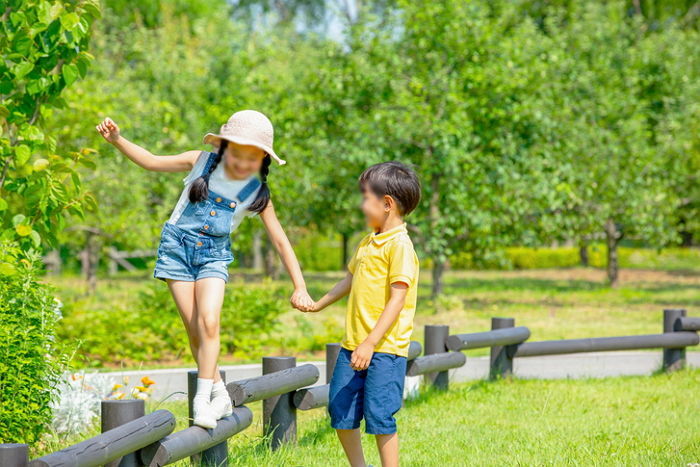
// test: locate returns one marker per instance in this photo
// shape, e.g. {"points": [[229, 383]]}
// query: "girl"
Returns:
{"points": [[195, 246]]}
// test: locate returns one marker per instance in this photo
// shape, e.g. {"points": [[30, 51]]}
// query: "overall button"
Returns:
{"points": [[206, 227], [213, 213], [199, 243], [233, 204], [218, 200]]}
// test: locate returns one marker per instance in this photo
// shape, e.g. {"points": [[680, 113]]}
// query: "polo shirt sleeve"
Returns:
{"points": [[403, 264]]}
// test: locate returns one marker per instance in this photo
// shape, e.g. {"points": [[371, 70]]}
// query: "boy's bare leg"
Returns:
{"points": [[388, 446], [350, 439]]}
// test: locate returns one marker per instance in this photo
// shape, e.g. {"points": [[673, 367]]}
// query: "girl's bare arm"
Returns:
{"points": [[300, 299], [142, 157]]}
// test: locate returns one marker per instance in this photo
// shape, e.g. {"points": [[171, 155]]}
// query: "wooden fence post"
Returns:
{"points": [[215, 455], [14, 455], [114, 413], [279, 412], [673, 359], [435, 342], [332, 351], [501, 363]]}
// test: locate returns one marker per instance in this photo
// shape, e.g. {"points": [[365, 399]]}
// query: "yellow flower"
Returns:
{"points": [[117, 386], [141, 395], [147, 381]]}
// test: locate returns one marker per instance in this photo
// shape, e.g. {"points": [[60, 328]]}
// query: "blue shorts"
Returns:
{"points": [[184, 256], [375, 393]]}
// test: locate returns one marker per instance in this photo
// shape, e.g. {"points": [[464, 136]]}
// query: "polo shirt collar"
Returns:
{"points": [[382, 238]]}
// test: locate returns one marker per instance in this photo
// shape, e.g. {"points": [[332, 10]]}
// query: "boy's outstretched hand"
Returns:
{"points": [[302, 301], [109, 130], [361, 356]]}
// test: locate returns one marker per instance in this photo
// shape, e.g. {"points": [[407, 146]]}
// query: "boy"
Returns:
{"points": [[382, 281]]}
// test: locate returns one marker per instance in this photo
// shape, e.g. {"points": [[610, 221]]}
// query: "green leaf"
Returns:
{"points": [[22, 69], [18, 219], [70, 73], [23, 230], [36, 238], [3, 204], [40, 164], [22, 155], [69, 20]]}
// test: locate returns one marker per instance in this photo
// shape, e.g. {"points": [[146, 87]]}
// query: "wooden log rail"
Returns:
{"points": [[132, 439], [194, 439], [476, 340], [112, 444], [273, 384], [669, 340]]}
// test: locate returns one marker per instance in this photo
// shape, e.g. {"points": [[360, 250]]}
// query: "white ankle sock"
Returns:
{"points": [[219, 389], [204, 387]]}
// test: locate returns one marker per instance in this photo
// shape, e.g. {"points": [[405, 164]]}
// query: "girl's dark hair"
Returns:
{"points": [[263, 198], [199, 190]]}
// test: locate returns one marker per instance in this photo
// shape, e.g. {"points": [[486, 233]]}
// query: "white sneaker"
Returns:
{"points": [[204, 415], [221, 405]]}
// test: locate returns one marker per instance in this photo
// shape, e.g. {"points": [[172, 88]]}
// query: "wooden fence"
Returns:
{"points": [[132, 439]]}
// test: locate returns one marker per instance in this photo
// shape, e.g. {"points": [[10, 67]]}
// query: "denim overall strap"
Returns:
{"points": [[248, 190], [210, 161]]}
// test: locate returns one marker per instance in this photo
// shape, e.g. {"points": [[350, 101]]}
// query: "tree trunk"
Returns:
{"points": [[583, 255], [612, 236], [258, 264], [89, 259], [345, 239], [270, 261], [438, 272]]}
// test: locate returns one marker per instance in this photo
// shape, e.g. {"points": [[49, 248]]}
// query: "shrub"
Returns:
{"points": [[30, 362], [149, 329]]}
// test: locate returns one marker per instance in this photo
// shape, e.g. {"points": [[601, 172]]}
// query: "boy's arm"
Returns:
{"points": [[338, 291], [143, 157], [363, 353]]}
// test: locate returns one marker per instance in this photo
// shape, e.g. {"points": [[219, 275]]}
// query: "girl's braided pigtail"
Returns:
{"points": [[263, 198], [199, 190]]}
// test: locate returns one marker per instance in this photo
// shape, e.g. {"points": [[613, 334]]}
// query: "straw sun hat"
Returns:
{"points": [[248, 127]]}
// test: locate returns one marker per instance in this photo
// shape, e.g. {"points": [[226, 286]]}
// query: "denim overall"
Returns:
{"points": [[198, 245]]}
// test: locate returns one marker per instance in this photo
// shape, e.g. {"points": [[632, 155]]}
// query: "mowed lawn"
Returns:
{"points": [[616, 421]]}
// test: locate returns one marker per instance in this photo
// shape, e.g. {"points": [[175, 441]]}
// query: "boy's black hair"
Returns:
{"points": [[393, 179]]}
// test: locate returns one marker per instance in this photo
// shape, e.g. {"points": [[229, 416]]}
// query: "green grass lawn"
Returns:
{"points": [[554, 304], [615, 421]]}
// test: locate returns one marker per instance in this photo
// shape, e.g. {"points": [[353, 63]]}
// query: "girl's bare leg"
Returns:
{"points": [[209, 296], [388, 446], [183, 294], [350, 439]]}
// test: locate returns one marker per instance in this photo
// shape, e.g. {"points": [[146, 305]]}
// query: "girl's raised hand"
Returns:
{"points": [[109, 130]]}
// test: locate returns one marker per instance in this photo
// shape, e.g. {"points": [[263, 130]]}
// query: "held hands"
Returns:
{"points": [[302, 301], [109, 130], [362, 356]]}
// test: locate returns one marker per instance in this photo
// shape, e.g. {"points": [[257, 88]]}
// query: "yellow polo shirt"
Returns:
{"points": [[381, 260]]}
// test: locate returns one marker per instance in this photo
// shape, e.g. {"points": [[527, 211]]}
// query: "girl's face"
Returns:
{"points": [[241, 161]]}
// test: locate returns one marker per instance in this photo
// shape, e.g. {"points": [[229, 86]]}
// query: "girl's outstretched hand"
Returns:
{"points": [[302, 301], [109, 130]]}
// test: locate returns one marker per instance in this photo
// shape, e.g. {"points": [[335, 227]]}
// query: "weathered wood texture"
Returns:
{"points": [[194, 439], [414, 350], [266, 386], [115, 413], [604, 344], [439, 362], [688, 324], [476, 340], [14, 455], [113, 444], [311, 398]]}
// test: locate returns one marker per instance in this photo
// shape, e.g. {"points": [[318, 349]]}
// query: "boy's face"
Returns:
{"points": [[375, 208]]}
